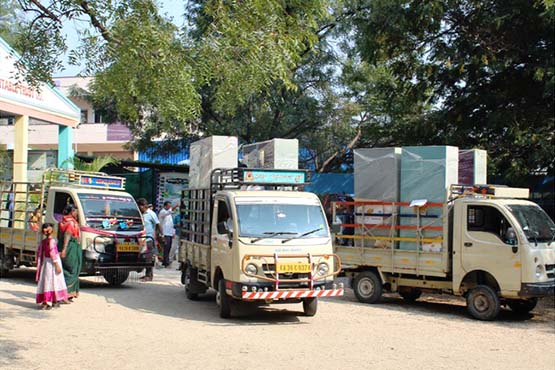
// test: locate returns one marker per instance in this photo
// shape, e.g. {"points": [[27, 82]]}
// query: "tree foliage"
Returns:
{"points": [[336, 74], [485, 66]]}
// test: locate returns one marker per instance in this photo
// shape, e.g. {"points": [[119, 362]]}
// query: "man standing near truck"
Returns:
{"points": [[151, 225], [166, 218]]}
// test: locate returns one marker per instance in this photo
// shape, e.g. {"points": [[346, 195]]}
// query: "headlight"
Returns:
{"points": [[251, 269], [96, 246], [539, 270], [323, 268]]}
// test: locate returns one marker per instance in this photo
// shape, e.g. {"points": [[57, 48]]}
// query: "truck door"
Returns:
{"points": [[222, 237], [57, 201], [485, 246]]}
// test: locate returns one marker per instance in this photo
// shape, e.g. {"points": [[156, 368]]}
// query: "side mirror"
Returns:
{"points": [[335, 228], [510, 236]]}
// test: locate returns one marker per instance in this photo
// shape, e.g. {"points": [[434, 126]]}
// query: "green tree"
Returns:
{"points": [[151, 73], [486, 68], [11, 20]]}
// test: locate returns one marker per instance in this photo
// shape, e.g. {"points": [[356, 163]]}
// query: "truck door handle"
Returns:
{"points": [[468, 244]]}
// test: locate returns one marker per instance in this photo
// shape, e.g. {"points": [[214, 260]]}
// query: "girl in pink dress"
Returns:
{"points": [[51, 286]]}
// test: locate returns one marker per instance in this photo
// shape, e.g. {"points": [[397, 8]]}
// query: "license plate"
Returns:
{"points": [[128, 247], [293, 267]]}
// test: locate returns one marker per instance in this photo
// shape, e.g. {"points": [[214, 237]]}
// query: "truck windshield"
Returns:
{"points": [[281, 220], [112, 212], [537, 225]]}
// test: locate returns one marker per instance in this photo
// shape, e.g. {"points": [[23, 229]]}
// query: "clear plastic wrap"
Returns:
{"points": [[275, 153], [426, 173], [208, 154], [377, 172], [473, 166]]}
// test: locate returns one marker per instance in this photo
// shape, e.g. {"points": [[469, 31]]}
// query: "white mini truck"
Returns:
{"points": [[254, 238], [112, 232], [487, 244]]}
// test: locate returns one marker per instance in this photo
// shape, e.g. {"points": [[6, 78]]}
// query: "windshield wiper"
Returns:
{"points": [[271, 234], [534, 234], [302, 235]]}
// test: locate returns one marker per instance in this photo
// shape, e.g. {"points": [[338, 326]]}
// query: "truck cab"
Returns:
{"points": [[262, 245], [506, 245]]}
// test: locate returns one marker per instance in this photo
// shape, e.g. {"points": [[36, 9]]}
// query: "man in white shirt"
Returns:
{"points": [[166, 220]]}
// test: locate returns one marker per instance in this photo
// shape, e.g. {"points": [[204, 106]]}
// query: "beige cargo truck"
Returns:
{"points": [[112, 231], [491, 247], [254, 239]]}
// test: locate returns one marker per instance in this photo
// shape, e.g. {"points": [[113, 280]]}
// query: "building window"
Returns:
{"points": [[99, 116], [84, 116]]}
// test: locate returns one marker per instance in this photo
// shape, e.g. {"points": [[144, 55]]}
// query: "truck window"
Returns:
{"points": [[223, 214], [487, 219], [61, 200]]}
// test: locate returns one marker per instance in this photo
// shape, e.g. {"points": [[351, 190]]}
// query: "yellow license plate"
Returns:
{"points": [[293, 267], [128, 247]]}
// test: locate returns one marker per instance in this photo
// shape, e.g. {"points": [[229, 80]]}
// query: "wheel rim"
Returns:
{"points": [[365, 287], [218, 299], [481, 303]]}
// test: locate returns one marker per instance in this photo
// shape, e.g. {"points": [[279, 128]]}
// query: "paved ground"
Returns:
{"points": [[153, 326]]}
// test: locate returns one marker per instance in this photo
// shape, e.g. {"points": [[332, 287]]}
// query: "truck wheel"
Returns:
{"points": [[115, 277], [6, 262], [411, 294], [188, 279], [310, 306], [483, 303], [368, 287], [522, 306], [223, 300]]}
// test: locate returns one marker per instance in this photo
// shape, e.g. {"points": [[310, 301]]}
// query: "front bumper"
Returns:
{"points": [[265, 290], [292, 294], [530, 290]]}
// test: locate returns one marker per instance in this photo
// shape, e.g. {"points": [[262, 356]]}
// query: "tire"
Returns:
{"points": [[310, 306], [5, 264], [223, 300], [115, 277], [368, 287], [483, 303], [411, 294], [522, 306], [188, 281]]}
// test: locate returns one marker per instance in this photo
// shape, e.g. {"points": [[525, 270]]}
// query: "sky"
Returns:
{"points": [[173, 9]]}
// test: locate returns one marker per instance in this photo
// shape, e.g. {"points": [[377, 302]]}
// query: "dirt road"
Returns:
{"points": [[153, 326]]}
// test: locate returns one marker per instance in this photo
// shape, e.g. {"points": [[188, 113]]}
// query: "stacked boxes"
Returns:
{"points": [[376, 172], [427, 172], [208, 154], [275, 153], [473, 167]]}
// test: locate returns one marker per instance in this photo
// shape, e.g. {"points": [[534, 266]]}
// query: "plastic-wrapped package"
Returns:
{"points": [[473, 167], [377, 172], [426, 174], [275, 153], [208, 154]]}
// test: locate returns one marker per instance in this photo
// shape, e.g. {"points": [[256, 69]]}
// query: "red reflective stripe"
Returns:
{"points": [[293, 294]]}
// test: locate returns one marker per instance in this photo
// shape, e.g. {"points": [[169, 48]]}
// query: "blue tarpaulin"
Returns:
{"points": [[331, 183]]}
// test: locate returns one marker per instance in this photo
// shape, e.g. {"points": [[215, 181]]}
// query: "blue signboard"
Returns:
{"points": [[101, 182], [274, 177]]}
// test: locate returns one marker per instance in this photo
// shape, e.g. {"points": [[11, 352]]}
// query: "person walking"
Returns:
{"points": [[166, 218], [152, 225], [72, 254], [51, 286]]}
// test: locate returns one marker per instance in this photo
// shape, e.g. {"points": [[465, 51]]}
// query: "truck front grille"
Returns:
{"points": [[550, 270]]}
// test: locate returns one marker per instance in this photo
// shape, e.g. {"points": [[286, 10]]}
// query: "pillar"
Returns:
{"points": [[21, 144], [65, 143], [20, 157]]}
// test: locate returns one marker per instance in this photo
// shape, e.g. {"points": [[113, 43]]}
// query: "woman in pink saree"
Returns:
{"points": [[51, 286]]}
